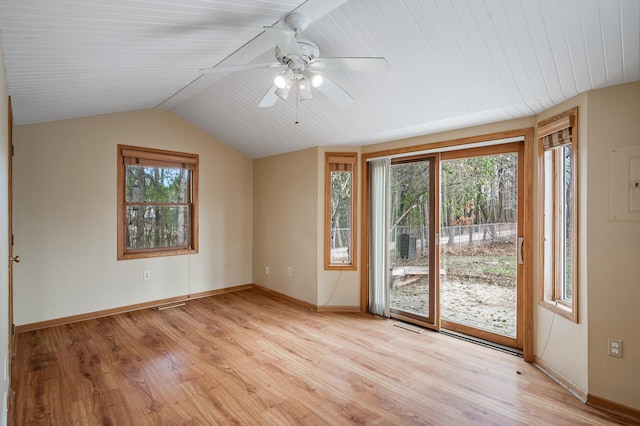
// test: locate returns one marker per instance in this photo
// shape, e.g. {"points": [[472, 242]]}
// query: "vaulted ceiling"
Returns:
{"points": [[453, 63]]}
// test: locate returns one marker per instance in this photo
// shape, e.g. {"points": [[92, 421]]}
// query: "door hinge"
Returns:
{"points": [[13, 329], [13, 239], [13, 149]]}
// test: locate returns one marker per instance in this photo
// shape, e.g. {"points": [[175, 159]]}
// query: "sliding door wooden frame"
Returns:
{"points": [[434, 246], [527, 225], [513, 147]]}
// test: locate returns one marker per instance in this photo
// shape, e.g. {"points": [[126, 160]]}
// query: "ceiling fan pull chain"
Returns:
{"points": [[297, 102]]}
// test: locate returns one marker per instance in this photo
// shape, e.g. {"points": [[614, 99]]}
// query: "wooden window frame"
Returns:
{"points": [[349, 159], [156, 158], [552, 268]]}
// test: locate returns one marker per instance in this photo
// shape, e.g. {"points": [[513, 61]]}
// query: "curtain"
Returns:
{"points": [[379, 222], [557, 139], [557, 131]]}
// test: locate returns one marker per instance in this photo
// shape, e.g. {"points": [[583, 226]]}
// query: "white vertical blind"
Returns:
{"points": [[379, 257]]}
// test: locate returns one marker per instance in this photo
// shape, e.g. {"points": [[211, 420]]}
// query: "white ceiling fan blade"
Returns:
{"points": [[269, 98], [350, 64], [313, 10], [284, 39], [217, 70], [335, 93]]}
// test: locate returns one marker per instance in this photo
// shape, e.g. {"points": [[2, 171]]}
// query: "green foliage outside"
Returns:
{"points": [[479, 190], [158, 210], [477, 281]]}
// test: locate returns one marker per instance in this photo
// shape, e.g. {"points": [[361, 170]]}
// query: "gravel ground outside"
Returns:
{"points": [[477, 287]]}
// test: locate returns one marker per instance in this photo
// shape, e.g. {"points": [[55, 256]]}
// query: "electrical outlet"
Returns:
{"points": [[615, 348], [266, 270], [289, 271], [146, 275]]}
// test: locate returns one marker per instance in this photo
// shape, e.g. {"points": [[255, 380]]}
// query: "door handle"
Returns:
{"points": [[520, 245], [15, 259]]}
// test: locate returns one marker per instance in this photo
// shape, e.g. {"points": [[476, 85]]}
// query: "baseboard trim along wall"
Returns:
{"points": [[560, 379], [613, 408], [287, 298], [124, 309], [152, 304], [339, 308]]}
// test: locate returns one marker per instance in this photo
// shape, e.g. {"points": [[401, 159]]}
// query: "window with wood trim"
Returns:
{"points": [[157, 203], [340, 198], [558, 148]]}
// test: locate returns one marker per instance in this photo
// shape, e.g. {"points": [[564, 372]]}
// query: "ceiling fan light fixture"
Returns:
{"points": [[281, 80], [284, 92], [304, 89], [317, 79]]}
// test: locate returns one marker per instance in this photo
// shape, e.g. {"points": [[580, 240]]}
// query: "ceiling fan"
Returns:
{"points": [[303, 67]]}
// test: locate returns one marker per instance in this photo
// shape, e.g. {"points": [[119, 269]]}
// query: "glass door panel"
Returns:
{"points": [[411, 258], [478, 244]]}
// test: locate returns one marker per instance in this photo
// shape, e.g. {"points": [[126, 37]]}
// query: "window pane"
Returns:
{"points": [[559, 167], [567, 222], [548, 217], [341, 206], [156, 184], [153, 226]]}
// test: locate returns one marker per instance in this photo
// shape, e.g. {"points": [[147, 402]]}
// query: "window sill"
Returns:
{"points": [[155, 253], [337, 267], [560, 309]]}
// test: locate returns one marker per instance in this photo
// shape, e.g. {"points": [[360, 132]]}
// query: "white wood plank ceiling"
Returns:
{"points": [[454, 63]]}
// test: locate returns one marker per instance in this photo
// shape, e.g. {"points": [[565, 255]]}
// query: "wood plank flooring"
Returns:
{"points": [[248, 358]]}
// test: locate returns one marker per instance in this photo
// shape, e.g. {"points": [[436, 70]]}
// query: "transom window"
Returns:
{"points": [[157, 203]]}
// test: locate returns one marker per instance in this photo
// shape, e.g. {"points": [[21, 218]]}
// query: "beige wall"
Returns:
{"points": [[337, 289], [4, 237], [65, 216], [560, 343], [613, 251], [289, 230], [285, 221]]}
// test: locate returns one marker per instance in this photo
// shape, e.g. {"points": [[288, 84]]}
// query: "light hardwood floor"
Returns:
{"points": [[249, 358]]}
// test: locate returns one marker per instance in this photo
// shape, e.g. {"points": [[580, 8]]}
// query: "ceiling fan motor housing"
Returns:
{"points": [[308, 50], [297, 22]]}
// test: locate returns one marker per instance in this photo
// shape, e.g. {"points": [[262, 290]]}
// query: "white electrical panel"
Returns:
{"points": [[624, 183], [634, 184]]}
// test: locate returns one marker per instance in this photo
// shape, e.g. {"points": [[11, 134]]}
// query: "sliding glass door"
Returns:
{"points": [[446, 240], [479, 229], [411, 242]]}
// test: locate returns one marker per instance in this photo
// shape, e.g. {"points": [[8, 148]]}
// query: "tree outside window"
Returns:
{"points": [[157, 203], [340, 196]]}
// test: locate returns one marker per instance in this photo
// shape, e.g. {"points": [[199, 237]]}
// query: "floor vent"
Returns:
{"points": [[512, 351], [408, 327], [169, 306]]}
